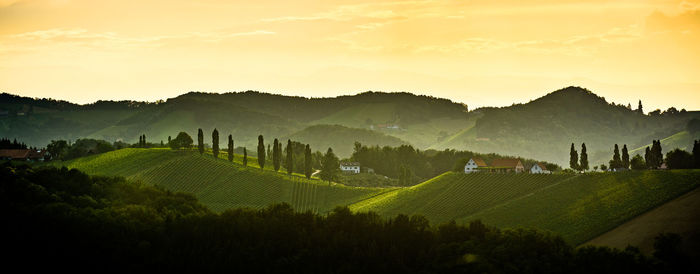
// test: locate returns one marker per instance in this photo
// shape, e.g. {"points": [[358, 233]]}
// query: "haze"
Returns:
{"points": [[477, 52]]}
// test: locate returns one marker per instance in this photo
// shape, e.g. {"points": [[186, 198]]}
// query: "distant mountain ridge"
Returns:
{"points": [[541, 129]]}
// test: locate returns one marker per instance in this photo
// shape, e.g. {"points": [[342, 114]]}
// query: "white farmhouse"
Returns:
{"points": [[473, 165], [539, 168], [350, 167]]}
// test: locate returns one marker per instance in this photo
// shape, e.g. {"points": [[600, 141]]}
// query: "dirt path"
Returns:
{"points": [[681, 215]]}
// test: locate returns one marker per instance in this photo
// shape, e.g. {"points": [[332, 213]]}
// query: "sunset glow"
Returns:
{"points": [[482, 53]]}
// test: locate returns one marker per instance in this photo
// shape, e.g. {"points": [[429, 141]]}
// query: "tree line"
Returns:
{"points": [[653, 158], [65, 219]]}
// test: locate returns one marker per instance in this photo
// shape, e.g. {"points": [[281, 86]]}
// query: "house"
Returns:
{"points": [[22, 154], [539, 168], [350, 167], [474, 164], [507, 165]]}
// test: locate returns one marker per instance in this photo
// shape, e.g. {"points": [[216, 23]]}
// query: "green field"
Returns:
{"points": [[578, 207], [218, 183], [455, 195], [588, 205]]}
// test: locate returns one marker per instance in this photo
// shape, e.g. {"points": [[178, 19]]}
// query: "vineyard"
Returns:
{"points": [[455, 195], [588, 205], [220, 184]]}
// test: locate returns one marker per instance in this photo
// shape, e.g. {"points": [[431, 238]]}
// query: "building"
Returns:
{"points": [[22, 154], [539, 168], [507, 165], [350, 167], [474, 164]]}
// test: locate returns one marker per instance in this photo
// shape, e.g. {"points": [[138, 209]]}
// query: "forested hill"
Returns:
{"points": [[418, 120], [546, 127]]}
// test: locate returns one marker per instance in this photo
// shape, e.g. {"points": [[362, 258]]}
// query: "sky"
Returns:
{"points": [[481, 53]]}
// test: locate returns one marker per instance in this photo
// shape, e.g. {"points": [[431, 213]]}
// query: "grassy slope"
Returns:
{"points": [[682, 140], [678, 216], [455, 195], [588, 205], [218, 183]]}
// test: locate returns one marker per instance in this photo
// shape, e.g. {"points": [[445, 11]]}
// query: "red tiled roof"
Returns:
{"points": [[542, 166], [479, 162], [508, 163], [14, 153]]}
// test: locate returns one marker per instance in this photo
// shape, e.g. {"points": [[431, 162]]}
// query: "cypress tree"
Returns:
{"points": [[140, 141], [647, 157], [307, 161], [659, 156], [200, 141], [625, 157], [144, 140], [290, 157], [329, 167], [245, 157], [639, 107], [261, 152], [573, 158], [215, 143], [616, 162], [584, 158], [230, 148], [696, 153], [169, 139], [276, 155]]}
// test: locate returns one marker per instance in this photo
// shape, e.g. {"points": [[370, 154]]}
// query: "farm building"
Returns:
{"points": [[350, 167], [474, 164], [539, 168], [507, 165], [22, 154]]}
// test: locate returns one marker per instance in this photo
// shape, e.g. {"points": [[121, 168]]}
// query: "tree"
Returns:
{"points": [[169, 139], [679, 159], [290, 157], [276, 155], [638, 163], [182, 140], [57, 149], [639, 108], [616, 162], [307, 162], [200, 141], [595, 168], [144, 140], [573, 158], [330, 167], [215, 143], [696, 153], [625, 157], [245, 157], [261, 152], [584, 158], [603, 167], [230, 148], [647, 157], [656, 157]]}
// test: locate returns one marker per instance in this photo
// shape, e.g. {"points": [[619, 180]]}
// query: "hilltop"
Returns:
{"points": [[540, 129]]}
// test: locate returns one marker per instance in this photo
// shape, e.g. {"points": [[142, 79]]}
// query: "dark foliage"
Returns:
{"points": [[679, 159], [200, 141], [65, 220], [5, 143], [182, 140], [261, 151], [215, 143]]}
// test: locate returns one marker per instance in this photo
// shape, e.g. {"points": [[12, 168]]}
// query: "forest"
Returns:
{"points": [[65, 219]]}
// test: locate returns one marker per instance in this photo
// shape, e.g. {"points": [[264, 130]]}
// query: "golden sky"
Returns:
{"points": [[482, 53]]}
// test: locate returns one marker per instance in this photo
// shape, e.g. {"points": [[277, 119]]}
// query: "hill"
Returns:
{"points": [[217, 183], [680, 216], [588, 205], [545, 128], [341, 138]]}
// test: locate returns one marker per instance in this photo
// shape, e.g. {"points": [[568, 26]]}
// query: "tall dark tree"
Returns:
{"points": [[261, 152], [307, 162], [656, 157], [573, 158], [584, 158], [625, 157], [616, 162], [215, 143], [245, 157], [200, 141], [169, 139], [659, 154], [639, 107], [330, 167], [647, 157], [290, 157], [696, 153], [140, 144], [144, 140], [276, 155], [230, 148]]}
